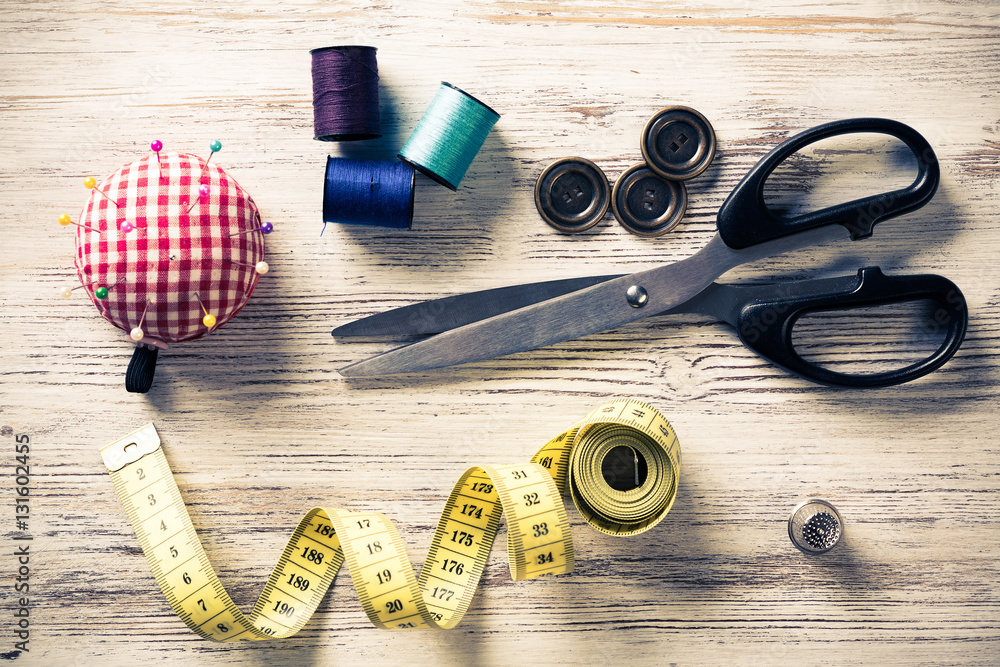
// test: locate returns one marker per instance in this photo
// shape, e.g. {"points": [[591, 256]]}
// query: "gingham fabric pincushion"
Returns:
{"points": [[175, 275]]}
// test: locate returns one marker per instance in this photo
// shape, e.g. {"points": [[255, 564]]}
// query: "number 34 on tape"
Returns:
{"points": [[530, 495]]}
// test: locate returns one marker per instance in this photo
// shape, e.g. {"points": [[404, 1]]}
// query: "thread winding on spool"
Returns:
{"points": [[368, 192], [345, 93], [449, 135]]}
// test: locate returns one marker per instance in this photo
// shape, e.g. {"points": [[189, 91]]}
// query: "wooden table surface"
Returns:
{"points": [[259, 426]]}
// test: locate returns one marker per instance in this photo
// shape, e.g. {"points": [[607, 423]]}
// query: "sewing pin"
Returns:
{"points": [[209, 319], [91, 184], [203, 191], [265, 228], [260, 267], [215, 147], [156, 147], [102, 292], [67, 292], [137, 334], [64, 220]]}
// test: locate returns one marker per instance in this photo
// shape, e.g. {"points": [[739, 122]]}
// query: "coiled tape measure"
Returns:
{"points": [[538, 531]]}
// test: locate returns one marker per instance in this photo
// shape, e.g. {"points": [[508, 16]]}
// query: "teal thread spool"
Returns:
{"points": [[449, 135]]}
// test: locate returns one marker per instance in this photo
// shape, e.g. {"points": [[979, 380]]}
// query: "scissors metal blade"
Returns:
{"points": [[452, 312], [590, 310]]}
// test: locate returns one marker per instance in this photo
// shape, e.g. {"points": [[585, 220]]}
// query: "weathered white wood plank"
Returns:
{"points": [[259, 427]]}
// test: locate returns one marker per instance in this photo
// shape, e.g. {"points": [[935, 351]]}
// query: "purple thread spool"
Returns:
{"points": [[345, 93]]}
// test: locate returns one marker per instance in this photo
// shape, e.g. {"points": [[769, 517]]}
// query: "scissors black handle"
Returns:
{"points": [[765, 321], [744, 219]]}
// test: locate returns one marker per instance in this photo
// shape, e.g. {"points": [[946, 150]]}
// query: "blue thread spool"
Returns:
{"points": [[449, 135], [368, 192]]}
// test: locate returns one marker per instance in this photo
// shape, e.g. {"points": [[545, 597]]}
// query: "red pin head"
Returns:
{"points": [[156, 146]]}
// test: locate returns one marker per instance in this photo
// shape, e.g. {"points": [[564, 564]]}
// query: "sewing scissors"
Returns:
{"points": [[493, 323]]}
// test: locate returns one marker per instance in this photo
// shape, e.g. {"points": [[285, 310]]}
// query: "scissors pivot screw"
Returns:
{"points": [[636, 296]]}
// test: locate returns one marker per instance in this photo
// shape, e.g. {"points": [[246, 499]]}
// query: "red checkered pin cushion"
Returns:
{"points": [[153, 255]]}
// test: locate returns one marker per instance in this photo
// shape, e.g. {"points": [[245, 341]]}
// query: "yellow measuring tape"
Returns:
{"points": [[529, 494]]}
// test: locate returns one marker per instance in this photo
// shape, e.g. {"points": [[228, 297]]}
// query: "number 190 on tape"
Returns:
{"points": [[529, 495]]}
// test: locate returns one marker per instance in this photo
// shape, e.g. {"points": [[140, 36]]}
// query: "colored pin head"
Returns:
{"points": [[203, 191], [127, 227], [215, 147], [66, 220], [260, 267], [156, 146], [102, 292], [67, 292], [91, 184], [264, 228], [137, 333], [209, 319]]}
